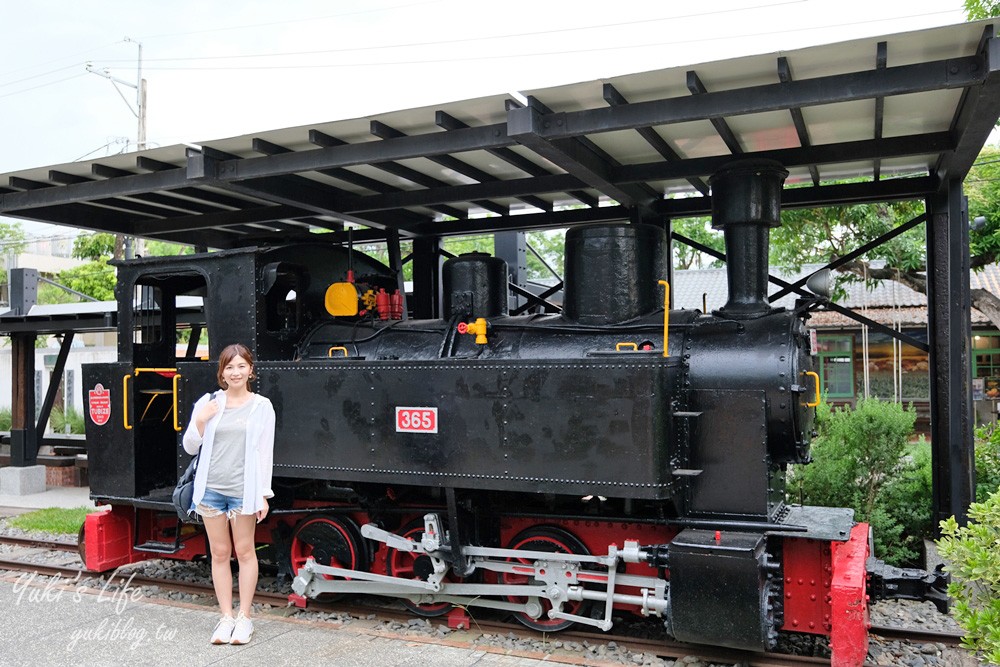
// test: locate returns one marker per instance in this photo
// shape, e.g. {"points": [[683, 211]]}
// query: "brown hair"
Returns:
{"points": [[228, 354]]}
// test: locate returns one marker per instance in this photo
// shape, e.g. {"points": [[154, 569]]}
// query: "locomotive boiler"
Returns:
{"points": [[616, 457]]}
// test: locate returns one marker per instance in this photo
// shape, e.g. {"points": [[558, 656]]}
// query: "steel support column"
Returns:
{"points": [[949, 332], [23, 436], [512, 247], [55, 381], [426, 300]]}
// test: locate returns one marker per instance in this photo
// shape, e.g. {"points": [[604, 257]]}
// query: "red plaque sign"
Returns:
{"points": [[100, 404]]}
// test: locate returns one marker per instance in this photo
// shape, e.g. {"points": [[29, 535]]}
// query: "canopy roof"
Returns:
{"points": [[901, 114]]}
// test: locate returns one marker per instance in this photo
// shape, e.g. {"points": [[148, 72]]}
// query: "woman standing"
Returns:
{"points": [[234, 428]]}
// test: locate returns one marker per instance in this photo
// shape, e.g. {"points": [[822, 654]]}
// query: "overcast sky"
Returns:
{"points": [[219, 69]]}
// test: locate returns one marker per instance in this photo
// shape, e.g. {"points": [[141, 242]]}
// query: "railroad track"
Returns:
{"points": [[36, 543], [663, 648]]}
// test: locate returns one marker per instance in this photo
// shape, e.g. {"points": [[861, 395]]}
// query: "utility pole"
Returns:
{"points": [[140, 114]]}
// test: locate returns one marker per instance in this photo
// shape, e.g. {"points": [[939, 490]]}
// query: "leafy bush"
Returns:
{"points": [[987, 461], [58, 421], [6, 419], [862, 460], [973, 559]]}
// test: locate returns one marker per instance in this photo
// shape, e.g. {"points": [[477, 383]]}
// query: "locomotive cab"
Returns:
{"points": [[170, 309]]}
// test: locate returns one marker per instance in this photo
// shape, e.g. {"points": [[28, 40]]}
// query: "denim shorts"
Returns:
{"points": [[215, 503]]}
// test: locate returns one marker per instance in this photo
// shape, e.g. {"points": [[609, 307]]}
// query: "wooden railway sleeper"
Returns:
{"points": [[558, 578]]}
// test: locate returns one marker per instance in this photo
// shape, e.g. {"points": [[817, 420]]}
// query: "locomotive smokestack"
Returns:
{"points": [[746, 203]]}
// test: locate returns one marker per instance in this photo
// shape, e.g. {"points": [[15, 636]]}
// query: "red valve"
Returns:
{"points": [[463, 327]]}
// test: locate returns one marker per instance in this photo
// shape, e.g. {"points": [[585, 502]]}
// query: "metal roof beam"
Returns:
{"points": [[448, 122], [696, 87], [346, 155], [214, 167], [125, 186], [881, 61], [218, 219], [325, 140], [527, 221], [901, 80], [383, 131], [785, 75], [976, 116], [659, 144], [495, 188], [918, 144], [571, 155], [896, 189]]}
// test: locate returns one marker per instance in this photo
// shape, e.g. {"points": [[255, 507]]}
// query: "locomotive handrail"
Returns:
{"points": [[177, 426], [329, 353], [619, 346], [155, 370], [814, 376], [125, 379], [666, 316]]}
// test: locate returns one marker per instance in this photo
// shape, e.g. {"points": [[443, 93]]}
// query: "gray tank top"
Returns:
{"points": [[225, 471]]}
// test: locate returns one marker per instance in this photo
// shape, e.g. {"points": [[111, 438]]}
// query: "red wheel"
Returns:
{"points": [[330, 540], [415, 566], [554, 540]]}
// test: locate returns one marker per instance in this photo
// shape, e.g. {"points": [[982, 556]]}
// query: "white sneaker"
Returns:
{"points": [[223, 630], [243, 630]]}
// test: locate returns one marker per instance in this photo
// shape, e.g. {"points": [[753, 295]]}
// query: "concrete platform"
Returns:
{"points": [[53, 496], [64, 626]]}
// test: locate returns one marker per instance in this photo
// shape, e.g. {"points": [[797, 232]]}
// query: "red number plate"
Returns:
{"points": [[416, 420]]}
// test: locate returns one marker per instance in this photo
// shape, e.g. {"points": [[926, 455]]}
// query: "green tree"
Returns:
{"points": [[95, 279], [700, 230], [981, 9], [94, 247], [152, 248], [13, 240]]}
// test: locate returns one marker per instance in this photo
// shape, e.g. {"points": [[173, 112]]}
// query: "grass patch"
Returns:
{"points": [[52, 520]]}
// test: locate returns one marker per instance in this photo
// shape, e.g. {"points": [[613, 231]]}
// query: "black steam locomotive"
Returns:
{"points": [[616, 457]]}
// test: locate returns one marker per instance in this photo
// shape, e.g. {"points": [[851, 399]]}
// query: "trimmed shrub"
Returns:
{"points": [[862, 459]]}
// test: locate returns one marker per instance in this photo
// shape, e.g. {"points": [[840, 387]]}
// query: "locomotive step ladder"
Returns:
{"points": [[158, 546]]}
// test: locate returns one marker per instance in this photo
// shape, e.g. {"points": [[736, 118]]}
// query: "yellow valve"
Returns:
{"points": [[814, 376], [477, 328], [666, 316], [368, 298], [619, 346]]}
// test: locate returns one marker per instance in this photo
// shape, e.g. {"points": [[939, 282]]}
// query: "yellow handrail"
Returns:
{"points": [[666, 316], [619, 346], [329, 353], [815, 376], [154, 370], [125, 379], [177, 426]]}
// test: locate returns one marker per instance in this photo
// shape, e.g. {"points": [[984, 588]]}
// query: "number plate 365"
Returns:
{"points": [[416, 420]]}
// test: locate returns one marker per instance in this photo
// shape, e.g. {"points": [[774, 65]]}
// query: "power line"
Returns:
{"points": [[43, 85], [507, 56], [478, 39]]}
